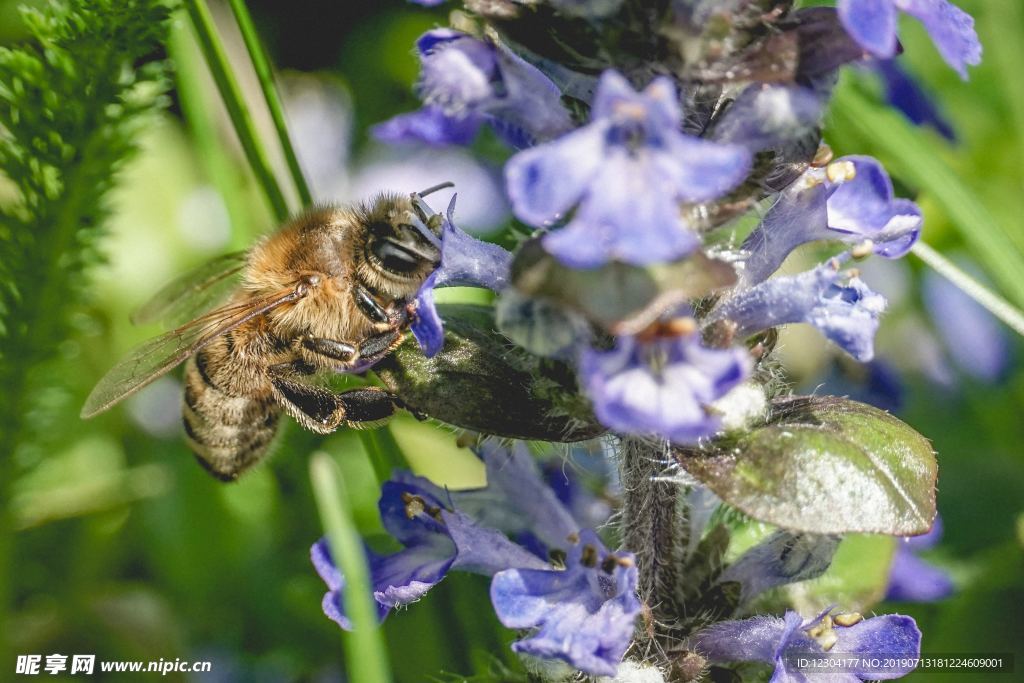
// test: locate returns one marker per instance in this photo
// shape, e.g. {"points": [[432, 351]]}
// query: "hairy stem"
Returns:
{"points": [[651, 526]]}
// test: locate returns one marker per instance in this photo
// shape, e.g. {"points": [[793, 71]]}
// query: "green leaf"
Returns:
{"points": [[479, 381], [622, 298], [825, 465]]}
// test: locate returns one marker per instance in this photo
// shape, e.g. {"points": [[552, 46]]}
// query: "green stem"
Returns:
{"points": [[261, 64], [389, 448], [218, 167], [384, 452], [364, 645], [223, 76], [995, 304]]}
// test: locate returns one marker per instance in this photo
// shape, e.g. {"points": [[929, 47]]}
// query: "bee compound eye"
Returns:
{"points": [[398, 258]]}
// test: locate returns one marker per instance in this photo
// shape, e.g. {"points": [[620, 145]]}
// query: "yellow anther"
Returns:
{"points": [[841, 171], [848, 619], [821, 628], [678, 327], [822, 157], [414, 506], [863, 249]]}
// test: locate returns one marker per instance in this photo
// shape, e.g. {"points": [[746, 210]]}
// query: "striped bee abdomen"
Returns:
{"points": [[227, 432]]}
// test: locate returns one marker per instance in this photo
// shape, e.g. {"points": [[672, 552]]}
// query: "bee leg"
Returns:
{"points": [[371, 350], [377, 346], [317, 409], [369, 406], [317, 354], [332, 348], [323, 411], [370, 307]]}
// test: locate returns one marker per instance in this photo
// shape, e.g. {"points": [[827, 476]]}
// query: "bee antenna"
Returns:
{"points": [[435, 188]]}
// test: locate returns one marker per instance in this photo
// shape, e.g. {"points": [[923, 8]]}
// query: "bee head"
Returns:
{"points": [[399, 244]]}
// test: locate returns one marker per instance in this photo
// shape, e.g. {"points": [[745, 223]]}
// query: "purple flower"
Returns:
{"points": [[465, 261], [911, 579], [429, 125], [781, 641], [784, 557], [839, 305], [851, 200], [583, 614], [662, 385], [973, 337], [436, 540], [872, 23], [765, 115], [582, 483], [516, 499], [465, 82], [876, 382], [904, 93], [625, 173]]}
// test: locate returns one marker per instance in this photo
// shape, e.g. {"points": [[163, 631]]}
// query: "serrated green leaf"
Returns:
{"points": [[825, 465]]}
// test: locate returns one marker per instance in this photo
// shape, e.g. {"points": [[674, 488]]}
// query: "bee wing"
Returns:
{"points": [[198, 290], [157, 356]]}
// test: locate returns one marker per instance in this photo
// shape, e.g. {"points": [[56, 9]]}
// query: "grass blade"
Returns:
{"points": [[261, 63], [231, 93], [365, 653], [196, 106], [384, 452]]}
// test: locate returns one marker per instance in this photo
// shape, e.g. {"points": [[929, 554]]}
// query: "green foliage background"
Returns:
{"points": [[114, 542]]}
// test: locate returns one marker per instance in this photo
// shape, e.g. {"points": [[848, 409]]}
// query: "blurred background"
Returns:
{"points": [[127, 549]]}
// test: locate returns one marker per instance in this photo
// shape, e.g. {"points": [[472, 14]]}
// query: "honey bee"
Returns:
{"points": [[331, 291]]}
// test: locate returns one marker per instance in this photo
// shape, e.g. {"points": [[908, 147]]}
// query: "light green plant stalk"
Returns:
{"points": [[71, 101], [261, 64], [992, 302], [364, 647], [210, 148], [231, 93], [383, 450]]}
